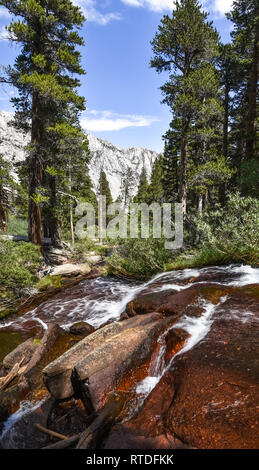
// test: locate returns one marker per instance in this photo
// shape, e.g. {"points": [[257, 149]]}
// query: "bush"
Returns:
{"points": [[229, 235], [141, 257], [18, 264], [17, 226], [232, 232], [49, 281]]}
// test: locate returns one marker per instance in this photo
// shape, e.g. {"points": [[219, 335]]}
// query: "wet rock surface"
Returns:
{"points": [[81, 328], [209, 396], [169, 302]]}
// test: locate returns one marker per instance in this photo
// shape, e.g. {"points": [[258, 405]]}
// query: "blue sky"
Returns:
{"points": [[122, 91]]}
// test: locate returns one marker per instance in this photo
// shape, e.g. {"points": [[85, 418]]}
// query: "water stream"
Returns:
{"points": [[103, 299]]}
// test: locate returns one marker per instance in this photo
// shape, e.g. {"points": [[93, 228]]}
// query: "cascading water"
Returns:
{"points": [[197, 328], [104, 299]]}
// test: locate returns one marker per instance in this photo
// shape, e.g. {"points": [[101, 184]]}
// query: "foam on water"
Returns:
{"points": [[248, 275], [25, 408], [104, 299]]}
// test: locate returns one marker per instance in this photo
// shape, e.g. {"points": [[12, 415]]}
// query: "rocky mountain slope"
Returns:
{"points": [[112, 159]]}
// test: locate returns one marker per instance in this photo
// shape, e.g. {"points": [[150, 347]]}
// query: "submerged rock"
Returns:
{"points": [[25, 349], [81, 328], [169, 302]]}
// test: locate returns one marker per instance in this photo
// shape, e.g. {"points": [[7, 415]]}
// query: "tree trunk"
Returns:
{"points": [[98, 429], [200, 202], [53, 221], [101, 210], [226, 119], [251, 111], [35, 175], [183, 184], [2, 211], [71, 205]]}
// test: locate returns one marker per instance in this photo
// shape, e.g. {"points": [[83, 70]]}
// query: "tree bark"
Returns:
{"points": [[35, 175], [53, 221], [226, 119], [2, 211], [183, 185], [200, 202], [251, 110], [71, 205]]}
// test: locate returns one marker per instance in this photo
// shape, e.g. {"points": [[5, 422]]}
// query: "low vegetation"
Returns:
{"points": [[18, 266]]}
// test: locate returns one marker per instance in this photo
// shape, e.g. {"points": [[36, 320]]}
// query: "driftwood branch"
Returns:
{"points": [[14, 372], [50, 433], [69, 195]]}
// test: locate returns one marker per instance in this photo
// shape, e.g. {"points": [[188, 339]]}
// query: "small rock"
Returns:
{"points": [[56, 256], [124, 316], [81, 328], [93, 259], [70, 269]]}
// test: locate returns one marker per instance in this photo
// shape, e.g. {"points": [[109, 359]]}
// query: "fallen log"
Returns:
{"points": [[100, 360], [93, 435], [33, 368]]}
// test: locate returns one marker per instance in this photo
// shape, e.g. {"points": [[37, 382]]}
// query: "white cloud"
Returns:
{"points": [[92, 14], [105, 121], [4, 13], [4, 34], [153, 5], [222, 6]]}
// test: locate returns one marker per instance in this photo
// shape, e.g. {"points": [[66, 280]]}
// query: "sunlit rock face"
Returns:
{"points": [[12, 141], [113, 160]]}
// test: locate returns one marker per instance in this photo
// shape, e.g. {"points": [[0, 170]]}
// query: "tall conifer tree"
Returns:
{"points": [[44, 74], [184, 44]]}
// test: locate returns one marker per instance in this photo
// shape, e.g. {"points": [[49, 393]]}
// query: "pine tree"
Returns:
{"points": [[245, 16], [68, 177], [43, 73], [143, 188], [127, 186], [104, 188], [170, 165], [6, 183], [156, 187], [245, 35], [183, 45]]}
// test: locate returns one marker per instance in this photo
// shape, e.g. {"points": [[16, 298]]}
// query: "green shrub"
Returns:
{"points": [[228, 235], [18, 264], [49, 281], [232, 233], [17, 226], [141, 257]]}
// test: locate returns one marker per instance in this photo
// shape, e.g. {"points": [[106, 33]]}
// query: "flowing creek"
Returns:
{"points": [[103, 300]]}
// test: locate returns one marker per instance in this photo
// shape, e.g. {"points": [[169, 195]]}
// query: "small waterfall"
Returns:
{"points": [[197, 328]]}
